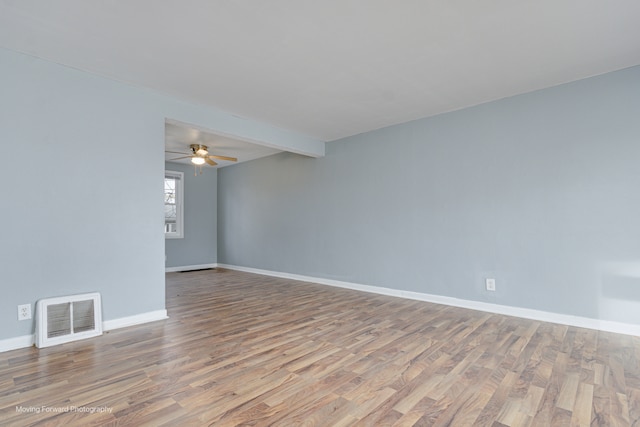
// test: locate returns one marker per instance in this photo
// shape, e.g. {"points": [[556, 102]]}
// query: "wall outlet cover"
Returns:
{"points": [[490, 284], [24, 312]]}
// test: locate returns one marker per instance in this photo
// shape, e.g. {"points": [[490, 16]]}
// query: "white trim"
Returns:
{"points": [[108, 325], [527, 313], [16, 343], [190, 267], [137, 319]]}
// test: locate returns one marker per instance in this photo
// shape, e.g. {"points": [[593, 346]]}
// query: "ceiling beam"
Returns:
{"points": [[213, 121]]}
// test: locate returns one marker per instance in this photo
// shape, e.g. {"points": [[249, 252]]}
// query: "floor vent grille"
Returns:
{"points": [[70, 318]]}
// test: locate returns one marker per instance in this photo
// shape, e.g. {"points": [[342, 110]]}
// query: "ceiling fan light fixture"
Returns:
{"points": [[199, 150], [197, 160]]}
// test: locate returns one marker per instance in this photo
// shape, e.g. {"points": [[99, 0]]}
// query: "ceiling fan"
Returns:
{"points": [[200, 155]]}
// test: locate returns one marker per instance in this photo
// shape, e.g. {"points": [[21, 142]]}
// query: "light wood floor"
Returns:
{"points": [[244, 349]]}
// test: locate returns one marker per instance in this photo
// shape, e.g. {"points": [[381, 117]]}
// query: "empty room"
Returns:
{"points": [[331, 213]]}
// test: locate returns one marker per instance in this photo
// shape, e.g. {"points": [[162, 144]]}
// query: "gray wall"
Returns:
{"points": [[200, 223], [82, 163], [81, 202], [540, 191]]}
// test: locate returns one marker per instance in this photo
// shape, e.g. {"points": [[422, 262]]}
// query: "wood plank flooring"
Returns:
{"points": [[244, 349]]}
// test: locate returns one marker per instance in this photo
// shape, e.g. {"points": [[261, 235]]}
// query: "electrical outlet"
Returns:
{"points": [[24, 312], [490, 284]]}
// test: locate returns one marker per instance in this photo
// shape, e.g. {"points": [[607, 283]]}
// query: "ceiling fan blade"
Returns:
{"points": [[180, 158], [209, 161], [175, 152], [231, 159]]}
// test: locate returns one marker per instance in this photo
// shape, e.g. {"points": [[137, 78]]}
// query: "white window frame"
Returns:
{"points": [[179, 176]]}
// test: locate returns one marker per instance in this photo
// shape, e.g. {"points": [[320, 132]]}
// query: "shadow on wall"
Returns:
{"points": [[620, 292]]}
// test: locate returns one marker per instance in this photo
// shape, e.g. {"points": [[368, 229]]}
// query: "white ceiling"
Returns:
{"points": [[331, 68], [179, 136]]}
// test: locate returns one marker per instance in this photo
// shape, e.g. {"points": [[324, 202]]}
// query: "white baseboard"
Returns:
{"points": [[17, 342], [137, 319], [189, 267], [527, 313], [107, 325]]}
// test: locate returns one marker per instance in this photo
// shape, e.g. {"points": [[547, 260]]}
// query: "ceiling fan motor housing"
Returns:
{"points": [[199, 150]]}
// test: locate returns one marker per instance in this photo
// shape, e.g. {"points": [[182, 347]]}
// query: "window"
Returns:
{"points": [[173, 204]]}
